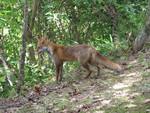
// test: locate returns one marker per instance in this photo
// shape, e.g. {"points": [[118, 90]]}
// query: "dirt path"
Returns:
{"points": [[125, 93]]}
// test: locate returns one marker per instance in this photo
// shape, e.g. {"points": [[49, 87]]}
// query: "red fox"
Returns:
{"points": [[83, 54]]}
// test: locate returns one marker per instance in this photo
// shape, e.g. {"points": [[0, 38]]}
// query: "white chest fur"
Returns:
{"points": [[50, 52]]}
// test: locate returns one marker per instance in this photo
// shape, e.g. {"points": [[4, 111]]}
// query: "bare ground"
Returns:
{"points": [[110, 93]]}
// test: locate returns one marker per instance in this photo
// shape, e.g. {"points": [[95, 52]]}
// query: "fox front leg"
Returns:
{"points": [[60, 72], [57, 72]]}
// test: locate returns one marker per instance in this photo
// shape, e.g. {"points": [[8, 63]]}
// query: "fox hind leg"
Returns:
{"points": [[98, 68], [88, 69], [84, 58]]}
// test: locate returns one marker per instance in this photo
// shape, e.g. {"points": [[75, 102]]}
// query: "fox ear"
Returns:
{"points": [[46, 38], [37, 36]]}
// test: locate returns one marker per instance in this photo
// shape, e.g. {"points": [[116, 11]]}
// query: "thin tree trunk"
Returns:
{"points": [[23, 51], [31, 25]]}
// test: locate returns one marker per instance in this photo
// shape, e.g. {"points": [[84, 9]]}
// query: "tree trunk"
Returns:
{"points": [[144, 35], [23, 51], [31, 25]]}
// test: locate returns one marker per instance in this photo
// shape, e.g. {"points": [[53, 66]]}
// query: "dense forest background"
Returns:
{"points": [[110, 26]]}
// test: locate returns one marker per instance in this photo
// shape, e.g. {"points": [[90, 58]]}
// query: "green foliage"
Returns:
{"points": [[145, 74], [2, 79]]}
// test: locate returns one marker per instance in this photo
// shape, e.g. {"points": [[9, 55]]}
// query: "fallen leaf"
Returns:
{"points": [[75, 92], [37, 89]]}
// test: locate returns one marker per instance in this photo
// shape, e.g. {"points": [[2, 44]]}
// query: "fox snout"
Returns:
{"points": [[37, 51], [120, 70]]}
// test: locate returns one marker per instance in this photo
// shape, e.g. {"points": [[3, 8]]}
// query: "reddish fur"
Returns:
{"points": [[84, 54]]}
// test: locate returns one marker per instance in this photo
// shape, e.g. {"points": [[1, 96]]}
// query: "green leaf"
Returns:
{"points": [[23, 0], [2, 79]]}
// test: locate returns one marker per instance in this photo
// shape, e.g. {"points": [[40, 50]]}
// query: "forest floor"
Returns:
{"points": [[110, 93]]}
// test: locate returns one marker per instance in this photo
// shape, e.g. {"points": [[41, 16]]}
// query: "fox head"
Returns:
{"points": [[41, 45]]}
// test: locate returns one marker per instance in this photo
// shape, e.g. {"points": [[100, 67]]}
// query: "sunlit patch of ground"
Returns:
{"points": [[111, 93]]}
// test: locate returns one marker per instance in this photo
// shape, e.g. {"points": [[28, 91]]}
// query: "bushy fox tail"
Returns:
{"points": [[109, 63]]}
